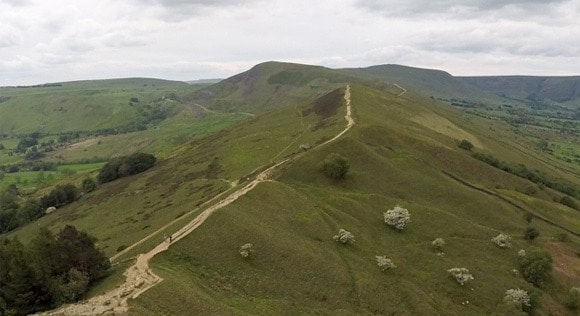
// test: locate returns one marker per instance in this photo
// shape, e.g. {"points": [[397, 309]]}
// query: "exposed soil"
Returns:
{"points": [[139, 277]]}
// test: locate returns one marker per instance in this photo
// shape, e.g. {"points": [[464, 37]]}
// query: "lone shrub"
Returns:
{"points": [[461, 275], [344, 236], [502, 240], [530, 233], [246, 250], [398, 217], [335, 166], [572, 300], [536, 266], [438, 244], [89, 185], [465, 144], [385, 263], [519, 296]]}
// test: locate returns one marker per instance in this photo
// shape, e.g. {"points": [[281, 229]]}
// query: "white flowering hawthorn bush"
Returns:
{"points": [[344, 236], [438, 243], [246, 250], [461, 275], [518, 296], [398, 217], [502, 240], [385, 263]]}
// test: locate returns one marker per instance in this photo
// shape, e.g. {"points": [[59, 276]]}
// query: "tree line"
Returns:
{"points": [[53, 269]]}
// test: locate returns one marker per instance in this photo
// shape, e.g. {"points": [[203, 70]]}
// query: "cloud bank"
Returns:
{"points": [[49, 41]]}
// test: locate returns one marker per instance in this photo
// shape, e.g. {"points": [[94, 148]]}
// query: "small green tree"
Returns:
{"points": [[465, 144], [335, 166], [536, 266], [89, 185], [530, 233]]}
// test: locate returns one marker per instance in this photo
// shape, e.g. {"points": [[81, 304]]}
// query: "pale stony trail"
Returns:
{"points": [[139, 277], [403, 90]]}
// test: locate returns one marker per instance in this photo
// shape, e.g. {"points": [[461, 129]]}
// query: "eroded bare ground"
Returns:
{"points": [[139, 277]]}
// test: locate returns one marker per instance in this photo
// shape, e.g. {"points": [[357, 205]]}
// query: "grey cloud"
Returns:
{"points": [[412, 8], [195, 3], [180, 10], [16, 3]]}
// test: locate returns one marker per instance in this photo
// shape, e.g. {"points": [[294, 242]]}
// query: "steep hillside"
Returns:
{"points": [[273, 85], [402, 151]]}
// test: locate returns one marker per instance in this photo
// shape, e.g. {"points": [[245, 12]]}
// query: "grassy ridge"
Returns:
{"points": [[401, 151], [298, 268]]}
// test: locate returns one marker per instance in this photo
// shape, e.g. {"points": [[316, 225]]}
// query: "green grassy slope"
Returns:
{"points": [[429, 82], [77, 106], [273, 85], [401, 152], [127, 210]]}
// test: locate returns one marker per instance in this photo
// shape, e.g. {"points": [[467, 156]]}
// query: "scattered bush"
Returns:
{"points": [[246, 250], [502, 240], [536, 266], [461, 275], [438, 243], [385, 263], [344, 236], [60, 195], [535, 176], [530, 233], [126, 166], [572, 300], [397, 217], [518, 295], [89, 185], [465, 144], [335, 166]]}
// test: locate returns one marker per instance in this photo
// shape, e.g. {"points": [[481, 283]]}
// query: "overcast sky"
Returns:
{"points": [[60, 40]]}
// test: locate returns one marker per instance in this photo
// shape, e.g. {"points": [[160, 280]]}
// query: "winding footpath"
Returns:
{"points": [[139, 277]]}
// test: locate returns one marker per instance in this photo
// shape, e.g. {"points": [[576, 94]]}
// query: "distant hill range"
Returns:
{"points": [[441, 84]]}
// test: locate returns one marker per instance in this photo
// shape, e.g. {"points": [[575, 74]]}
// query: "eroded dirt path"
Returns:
{"points": [[139, 277], [403, 90]]}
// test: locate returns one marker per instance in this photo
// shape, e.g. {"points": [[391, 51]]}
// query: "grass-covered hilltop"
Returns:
{"points": [[293, 189]]}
